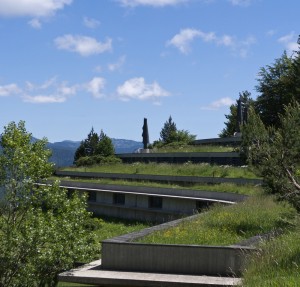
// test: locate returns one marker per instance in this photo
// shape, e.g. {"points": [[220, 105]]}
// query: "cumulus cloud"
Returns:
{"points": [[8, 90], [35, 23], [44, 99], [90, 23], [32, 8], [289, 41], [85, 46], [153, 3], [49, 92], [95, 87], [216, 105], [137, 88], [182, 41], [117, 65]]}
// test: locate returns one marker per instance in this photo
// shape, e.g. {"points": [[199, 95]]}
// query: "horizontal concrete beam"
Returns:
{"points": [[159, 178], [222, 197]]}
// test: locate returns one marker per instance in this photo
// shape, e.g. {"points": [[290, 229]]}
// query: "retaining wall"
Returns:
{"points": [[120, 253]]}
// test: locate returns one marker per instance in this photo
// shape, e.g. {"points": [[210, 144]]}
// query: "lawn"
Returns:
{"points": [[246, 189], [226, 225], [187, 169]]}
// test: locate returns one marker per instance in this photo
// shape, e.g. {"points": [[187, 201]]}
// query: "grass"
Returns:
{"points": [[246, 189], [225, 225], [187, 169], [193, 148], [277, 262]]}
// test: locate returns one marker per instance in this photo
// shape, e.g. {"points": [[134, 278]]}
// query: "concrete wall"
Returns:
{"points": [[177, 259], [123, 253], [159, 178]]}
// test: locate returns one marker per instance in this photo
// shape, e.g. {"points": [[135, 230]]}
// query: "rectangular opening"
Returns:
{"points": [[155, 202], [92, 196], [119, 198]]}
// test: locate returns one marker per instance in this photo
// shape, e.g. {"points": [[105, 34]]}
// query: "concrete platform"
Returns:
{"points": [[93, 273]]}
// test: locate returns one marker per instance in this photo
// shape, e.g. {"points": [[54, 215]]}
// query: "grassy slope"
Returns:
{"points": [[225, 225], [187, 169]]}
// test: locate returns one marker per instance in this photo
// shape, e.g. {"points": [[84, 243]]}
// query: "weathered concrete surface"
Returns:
{"points": [[174, 259], [94, 274]]}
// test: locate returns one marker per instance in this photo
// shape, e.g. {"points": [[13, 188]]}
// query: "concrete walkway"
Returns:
{"points": [[93, 274]]}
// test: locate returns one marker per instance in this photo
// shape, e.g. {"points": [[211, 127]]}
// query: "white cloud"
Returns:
{"points": [[216, 105], [118, 65], [153, 3], [289, 41], [137, 88], [32, 8], [90, 23], [183, 39], [44, 99], [8, 90], [35, 23], [85, 46], [240, 2], [49, 92], [95, 87]]}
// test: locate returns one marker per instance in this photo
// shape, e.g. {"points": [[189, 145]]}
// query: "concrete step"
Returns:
{"points": [[93, 273]]}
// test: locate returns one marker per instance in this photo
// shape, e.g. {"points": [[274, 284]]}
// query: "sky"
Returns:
{"points": [[69, 65]]}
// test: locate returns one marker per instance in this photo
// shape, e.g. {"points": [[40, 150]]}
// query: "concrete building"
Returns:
{"points": [[148, 203]]}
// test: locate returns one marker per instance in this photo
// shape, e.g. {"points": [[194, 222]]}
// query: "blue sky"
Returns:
{"points": [[68, 65]]}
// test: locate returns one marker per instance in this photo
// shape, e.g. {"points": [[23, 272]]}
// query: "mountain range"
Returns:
{"points": [[63, 152]]}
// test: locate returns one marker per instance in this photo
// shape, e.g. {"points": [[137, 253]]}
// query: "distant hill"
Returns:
{"points": [[63, 152]]}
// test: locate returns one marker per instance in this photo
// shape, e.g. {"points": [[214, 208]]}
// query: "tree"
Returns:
{"points": [[277, 89], [105, 146], [231, 125], [42, 228], [168, 132], [277, 154], [88, 146]]}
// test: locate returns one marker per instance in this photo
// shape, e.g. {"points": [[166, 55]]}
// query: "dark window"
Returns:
{"points": [[201, 205], [119, 198], [92, 196], [155, 202]]}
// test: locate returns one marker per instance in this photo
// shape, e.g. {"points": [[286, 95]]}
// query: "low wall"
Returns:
{"points": [[177, 259], [121, 253]]}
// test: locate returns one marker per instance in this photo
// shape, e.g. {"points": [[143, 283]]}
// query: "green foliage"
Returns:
{"points": [[170, 134], [41, 227], [255, 137], [224, 225], [275, 153], [96, 160], [231, 125], [93, 149], [277, 88], [104, 146]]}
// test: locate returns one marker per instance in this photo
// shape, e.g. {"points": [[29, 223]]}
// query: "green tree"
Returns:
{"points": [[42, 229], [231, 125], [276, 89], [275, 153], [88, 146], [168, 132], [105, 146]]}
